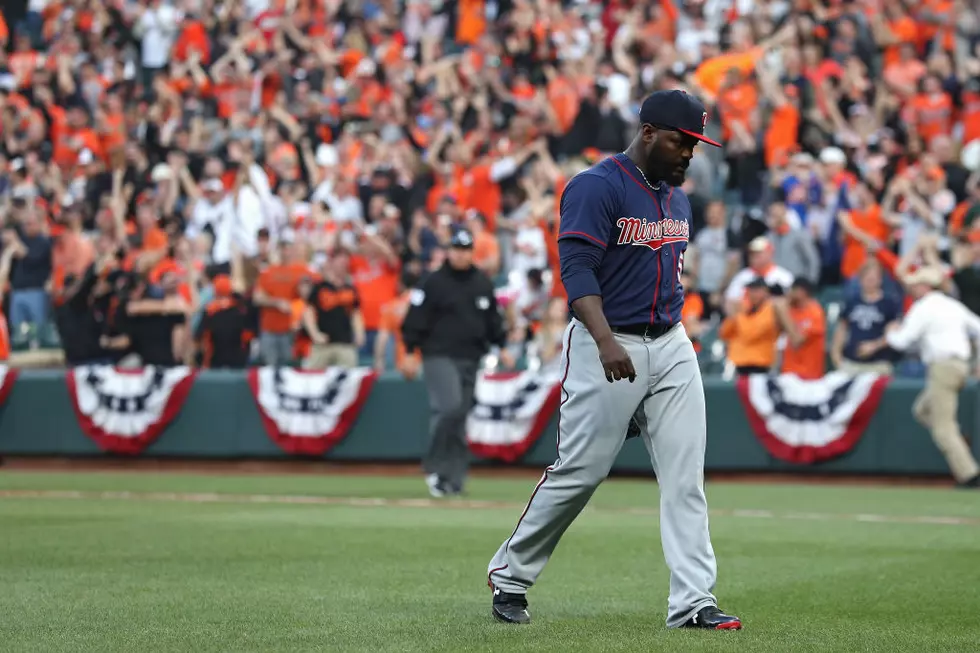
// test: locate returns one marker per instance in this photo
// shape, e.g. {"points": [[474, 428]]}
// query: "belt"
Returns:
{"points": [[645, 330]]}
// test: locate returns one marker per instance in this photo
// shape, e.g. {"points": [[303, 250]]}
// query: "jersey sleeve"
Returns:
{"points": [[588, 209]]}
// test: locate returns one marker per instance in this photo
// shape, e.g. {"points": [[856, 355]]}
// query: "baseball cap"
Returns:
{"points": [[757, 282], [462, 239], [759, 244], [679, 111], [929, 275]]}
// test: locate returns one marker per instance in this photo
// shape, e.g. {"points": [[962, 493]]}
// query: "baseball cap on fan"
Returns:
{"points": [[676, 110]]}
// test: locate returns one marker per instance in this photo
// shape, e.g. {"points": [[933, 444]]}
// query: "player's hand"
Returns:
{"points": [[616, 361]]}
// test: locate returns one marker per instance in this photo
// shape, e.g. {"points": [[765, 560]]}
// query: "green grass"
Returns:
{"points": [[149, 574]]}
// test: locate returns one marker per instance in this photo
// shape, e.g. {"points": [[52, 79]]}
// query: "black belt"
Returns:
{"points": [[645, 330]]}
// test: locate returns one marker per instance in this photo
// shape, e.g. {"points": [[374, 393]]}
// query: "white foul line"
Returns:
{"points": [[464, 504]]}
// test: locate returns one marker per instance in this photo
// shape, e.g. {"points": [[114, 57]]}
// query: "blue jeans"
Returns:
{"points": [[28, 307], [276, 349]]}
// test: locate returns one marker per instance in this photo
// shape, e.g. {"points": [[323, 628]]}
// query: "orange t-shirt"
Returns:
{"points": [[736, 104], [932, 116], [377, 284], [751, 337], [871, 222], [477, 190], [808, 360], [906, 31], [485, 248], [392, 316], [970, 115], [564, 99], [471, 21], [782, 135], [280, 282], [693, 309]]}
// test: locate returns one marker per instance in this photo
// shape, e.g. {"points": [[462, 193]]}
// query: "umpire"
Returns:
{"points": [[453, 319]]}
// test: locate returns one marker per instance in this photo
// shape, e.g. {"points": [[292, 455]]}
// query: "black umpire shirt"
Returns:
{"points": [[454, 314]]}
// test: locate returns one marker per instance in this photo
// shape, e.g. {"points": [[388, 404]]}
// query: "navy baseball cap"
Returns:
{"points": [[679, 111]]}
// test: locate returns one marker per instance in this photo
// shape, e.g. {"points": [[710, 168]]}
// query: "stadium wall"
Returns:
{"points": [[220, 421]]}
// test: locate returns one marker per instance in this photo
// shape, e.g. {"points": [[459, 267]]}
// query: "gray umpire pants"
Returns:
{"points": [[667, 400], [450, 383]]}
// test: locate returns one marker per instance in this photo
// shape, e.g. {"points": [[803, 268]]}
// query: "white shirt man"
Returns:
{"points": [[215, 208], [158, 26], [943, 329], [760, 265]]}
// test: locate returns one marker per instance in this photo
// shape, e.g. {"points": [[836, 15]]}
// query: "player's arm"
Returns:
{"points": [[588, 208]]}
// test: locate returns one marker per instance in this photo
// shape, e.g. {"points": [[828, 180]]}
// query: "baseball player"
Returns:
{"points": [[625, 224]]}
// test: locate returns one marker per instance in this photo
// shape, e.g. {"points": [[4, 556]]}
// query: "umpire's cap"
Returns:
{"points": [[678, 111], [462, 239]]}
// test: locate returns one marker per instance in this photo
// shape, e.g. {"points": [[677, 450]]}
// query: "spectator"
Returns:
{"points": [[693, 311], [333, 319], [761, 265], [715, 257], [375, 270], [865, 318], [486, 249], [30, 271], [392, 316], [547, 344], [807, 343], [793, 247], [753, 329], [276, 289], [225, 329]]}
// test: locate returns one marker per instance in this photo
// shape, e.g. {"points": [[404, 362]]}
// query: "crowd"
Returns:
{"points": [[224, 182]]}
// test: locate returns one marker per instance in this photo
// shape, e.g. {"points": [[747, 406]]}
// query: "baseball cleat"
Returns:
{"points": [[714, 619], [437, 487], [510, 608]]}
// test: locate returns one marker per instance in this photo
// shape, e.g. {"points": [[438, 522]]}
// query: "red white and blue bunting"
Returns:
{"points": [[806, 422]]}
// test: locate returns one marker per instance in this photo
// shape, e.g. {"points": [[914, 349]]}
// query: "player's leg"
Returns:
{"points": [[675, 437], [445, 398], [458, 458], [592, 423]]}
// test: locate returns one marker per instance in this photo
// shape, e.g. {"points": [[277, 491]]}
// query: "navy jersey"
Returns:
{"points": [[866, 321], [644, 232]]}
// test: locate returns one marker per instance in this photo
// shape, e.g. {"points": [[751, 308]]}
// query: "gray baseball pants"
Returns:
{"points": [[668, 399]]}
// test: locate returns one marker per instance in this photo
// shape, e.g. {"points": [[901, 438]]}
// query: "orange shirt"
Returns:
{"points": [[906, 31], [970, 115], [485, 248], [478, 191], [751, 337], [470, 21], [871, 222], [782, 134], [279, 282], [377, 284], [564, 100], [736, 104], [392, 316], [693, 309], [807, 361], [932, 116]]}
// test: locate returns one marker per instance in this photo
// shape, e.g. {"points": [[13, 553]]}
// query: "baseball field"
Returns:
{"points": [[150, 561]]}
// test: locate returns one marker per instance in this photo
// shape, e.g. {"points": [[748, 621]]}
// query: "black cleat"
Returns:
{"points": [[970, 484], [714, 619], [510, 608]]}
